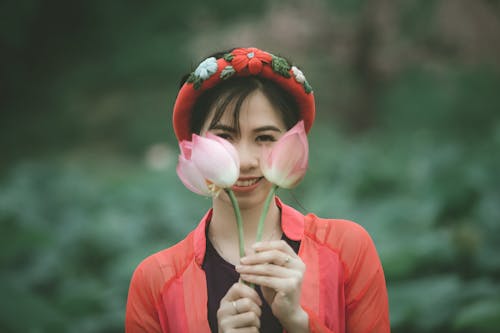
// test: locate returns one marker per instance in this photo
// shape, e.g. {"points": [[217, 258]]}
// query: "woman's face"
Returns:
{"points": [[260, 124]]}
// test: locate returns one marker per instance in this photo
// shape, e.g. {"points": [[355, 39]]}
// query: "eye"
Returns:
{"points": [[265, 138], [225, 135]]}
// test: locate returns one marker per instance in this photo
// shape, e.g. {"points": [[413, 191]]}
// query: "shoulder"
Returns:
{"points": [[352, 243], [336, 232]]}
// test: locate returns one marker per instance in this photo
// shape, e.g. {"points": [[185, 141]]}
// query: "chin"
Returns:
{"points": [[256, 198], [248, 203]]}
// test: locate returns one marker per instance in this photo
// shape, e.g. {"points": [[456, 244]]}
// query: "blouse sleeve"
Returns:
{"points": [[367, 306], [316, 325], [141, 314]]}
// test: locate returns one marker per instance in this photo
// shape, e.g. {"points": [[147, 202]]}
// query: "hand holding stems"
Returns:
{"points": [[279, 271]]}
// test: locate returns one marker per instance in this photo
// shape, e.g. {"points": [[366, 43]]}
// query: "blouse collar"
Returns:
{"points": [[292, 223]]}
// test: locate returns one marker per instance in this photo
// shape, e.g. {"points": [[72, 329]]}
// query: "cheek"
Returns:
{"points": [[221, 197], [266, 183]]}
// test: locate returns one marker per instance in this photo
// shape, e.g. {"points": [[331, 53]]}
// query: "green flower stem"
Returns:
{"points": [[265, 209], [239, 221]]}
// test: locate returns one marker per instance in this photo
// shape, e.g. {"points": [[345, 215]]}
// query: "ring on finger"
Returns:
{"points": [[287, 260], [235, 306]]}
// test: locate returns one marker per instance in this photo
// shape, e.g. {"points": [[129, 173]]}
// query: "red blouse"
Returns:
{"points": [[343, 288]]}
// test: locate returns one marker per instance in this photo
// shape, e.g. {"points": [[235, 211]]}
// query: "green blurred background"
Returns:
{"points": [[406, 143]]}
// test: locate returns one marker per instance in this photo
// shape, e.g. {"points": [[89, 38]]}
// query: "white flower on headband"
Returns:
{"points": [[206, 68], [299, 76]]}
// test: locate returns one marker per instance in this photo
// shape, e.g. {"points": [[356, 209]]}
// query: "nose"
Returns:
{"points": [[249, 156]]}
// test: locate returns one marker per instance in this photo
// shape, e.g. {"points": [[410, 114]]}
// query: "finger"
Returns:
{"points": [[243, 305], [273, 256], [242, 321], [265, 270], [286, 285], [240, 290], [243, 312], [280, 245]]}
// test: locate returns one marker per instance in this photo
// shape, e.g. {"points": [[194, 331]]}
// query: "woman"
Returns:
{"points": [[310, 274]]}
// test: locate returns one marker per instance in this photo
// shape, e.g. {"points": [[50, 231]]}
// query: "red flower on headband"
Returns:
{"points": [[251, 57]]}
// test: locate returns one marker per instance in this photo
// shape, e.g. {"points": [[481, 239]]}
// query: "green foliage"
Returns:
{"points": [[459, 103], [351, 7], [71, 236], [417, 19], [481, 315]]}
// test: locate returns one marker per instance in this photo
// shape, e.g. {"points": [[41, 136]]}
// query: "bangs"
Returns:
{"points": [[232, 103], [230, 96]]}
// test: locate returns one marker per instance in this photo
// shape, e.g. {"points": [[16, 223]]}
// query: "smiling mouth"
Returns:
{"points": [[247, 182]]}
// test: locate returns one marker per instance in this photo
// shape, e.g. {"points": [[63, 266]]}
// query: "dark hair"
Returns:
{"points": [[233, 92]]}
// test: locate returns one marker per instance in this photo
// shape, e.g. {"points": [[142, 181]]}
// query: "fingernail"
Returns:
{"points": [[237, 267], [256, 245], [243, 260]]}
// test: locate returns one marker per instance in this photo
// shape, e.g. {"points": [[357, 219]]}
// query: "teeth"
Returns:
{"points": [[249, 182]]}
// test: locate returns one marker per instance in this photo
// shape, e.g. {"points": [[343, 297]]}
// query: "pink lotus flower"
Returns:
{"points": [[285, 163], [208, 164]]}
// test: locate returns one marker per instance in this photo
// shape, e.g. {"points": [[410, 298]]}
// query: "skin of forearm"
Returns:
{"points": [[298, 322]]}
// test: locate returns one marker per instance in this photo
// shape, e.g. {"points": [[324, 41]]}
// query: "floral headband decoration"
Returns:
{"points": [[242, 62]]}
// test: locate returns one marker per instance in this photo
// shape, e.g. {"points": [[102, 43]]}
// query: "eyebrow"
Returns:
{"points": [[267, 128], [223, 127], [230, 129]]}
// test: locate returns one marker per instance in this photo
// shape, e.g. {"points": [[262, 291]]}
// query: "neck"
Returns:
{"points": [[223, 229]]}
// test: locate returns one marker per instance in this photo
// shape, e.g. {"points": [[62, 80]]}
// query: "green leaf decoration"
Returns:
{"points": [[281, 66], [227, 72], [197, 83], [191, 78], [195, 80], [307, 87], [228, 57]]}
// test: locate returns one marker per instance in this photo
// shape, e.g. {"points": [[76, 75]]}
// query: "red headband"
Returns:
{"points": [[237, 63]]}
